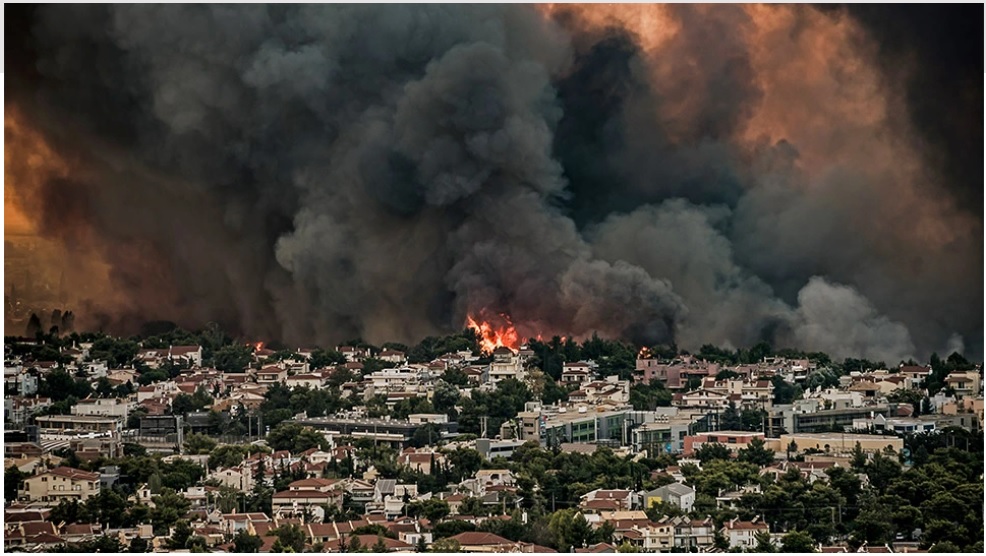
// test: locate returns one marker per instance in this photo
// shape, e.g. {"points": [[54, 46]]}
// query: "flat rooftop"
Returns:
{"points": [[77, 419]]}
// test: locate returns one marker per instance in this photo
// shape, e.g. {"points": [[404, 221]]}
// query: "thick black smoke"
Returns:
{"points": [[314, 173]]}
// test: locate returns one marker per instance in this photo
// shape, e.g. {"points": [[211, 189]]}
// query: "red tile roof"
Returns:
{"points": [[74, 474], [476, 538]]}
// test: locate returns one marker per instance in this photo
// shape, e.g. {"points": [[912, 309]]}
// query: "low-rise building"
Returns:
{"points": [[837, 443], [733, 440], [677, 494], [743, 534], [965, 383], [119, 408], [61, 483], [693, 534]]}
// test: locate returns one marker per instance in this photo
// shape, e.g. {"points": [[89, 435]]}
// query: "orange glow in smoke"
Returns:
{"points": [[492, 336], [28, 162], [257, 346], [651, 24]]}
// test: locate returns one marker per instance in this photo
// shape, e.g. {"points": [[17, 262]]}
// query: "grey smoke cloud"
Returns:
{"points": [[837, 319], [315, 173]]}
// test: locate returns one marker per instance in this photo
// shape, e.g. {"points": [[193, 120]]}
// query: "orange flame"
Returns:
{"points": [[644, 353], [492, 336], [257, 346]]}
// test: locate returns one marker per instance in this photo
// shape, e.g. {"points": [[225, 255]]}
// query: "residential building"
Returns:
{"points": [[313, 381], [608, 500], [677, 494], [965, 383], [742, 534], [190, 354], [693, 534], [233, 477], [61, 483], [506, 364], [272, 374], [483, 542]]}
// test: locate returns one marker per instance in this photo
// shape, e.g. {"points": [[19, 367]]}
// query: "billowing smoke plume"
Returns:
{"points": [[653, 173]]}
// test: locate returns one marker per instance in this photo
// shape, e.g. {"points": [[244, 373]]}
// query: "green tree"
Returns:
{"points": [[464, 463], [180, 535], [183, 404], [103, 543], [433, 509], [451, 528], [570, 529], [12, 481], [227, 455], [785, 392], [473, 506], [380, 546], [245, 542], [797, 542], [648, 397], [233, 358], [70, 511], [59, 385], [858, 460], [425, 435], [881, 471], [455, 376], [108, 508], [169, 507], [757, 453], [626, 547], [289, 537], [295, 438], [116, 353], [498, 406], [712, 451], [764, 542], [199, 444], [730, 420], [445, 397], [138, 545], [321, 359], [411, 406], [874, 524]]}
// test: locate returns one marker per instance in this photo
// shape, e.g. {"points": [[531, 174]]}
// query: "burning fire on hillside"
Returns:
{"points": [[492, 334]]}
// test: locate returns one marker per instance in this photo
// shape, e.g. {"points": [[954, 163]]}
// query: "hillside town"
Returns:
{"points": [[196, 442]]}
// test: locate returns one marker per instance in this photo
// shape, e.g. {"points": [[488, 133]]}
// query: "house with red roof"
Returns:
{"points": [[61, 483], [742, 534], [601, 499], [476, 541], [190, 354]]}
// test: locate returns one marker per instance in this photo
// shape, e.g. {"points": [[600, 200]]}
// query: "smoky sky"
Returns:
{"points": [[800, 175]]}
